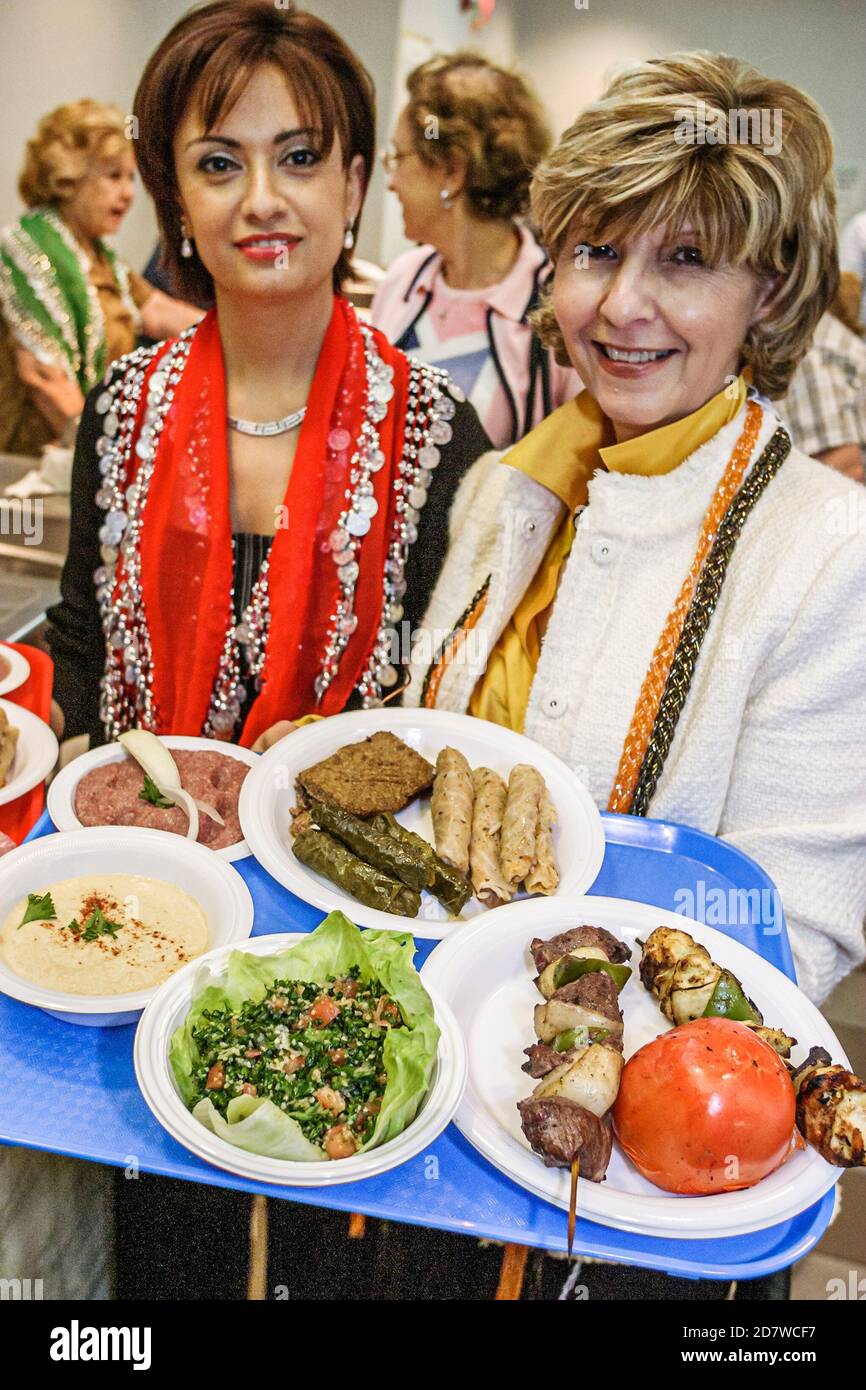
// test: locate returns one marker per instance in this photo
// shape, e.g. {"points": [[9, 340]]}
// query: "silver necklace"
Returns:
{"points": [[268, 427]]}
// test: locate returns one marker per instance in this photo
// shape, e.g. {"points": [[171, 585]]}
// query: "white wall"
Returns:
{"points": [[816, 44]]}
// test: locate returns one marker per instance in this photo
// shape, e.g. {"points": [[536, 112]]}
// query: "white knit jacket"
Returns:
{"points": [[769, 750]]}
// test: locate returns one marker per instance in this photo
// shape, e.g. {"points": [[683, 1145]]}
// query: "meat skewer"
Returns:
{"points": [[831, 1101], [578, 1058]]}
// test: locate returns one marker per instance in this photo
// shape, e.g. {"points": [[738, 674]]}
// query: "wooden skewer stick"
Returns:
{"points": [[357, 1226], [511, 1274], [257, 1271], [572, 1201]]}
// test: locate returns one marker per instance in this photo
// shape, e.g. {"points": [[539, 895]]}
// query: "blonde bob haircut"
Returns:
{"points": [[648, 153], [67, 144]]}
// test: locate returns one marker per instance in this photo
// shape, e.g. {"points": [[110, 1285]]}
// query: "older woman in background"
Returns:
{"points": [[462, 158], [69, 306]]}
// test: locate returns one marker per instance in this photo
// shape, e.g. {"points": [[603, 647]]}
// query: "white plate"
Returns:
{"points": [[61, 793], [268, 795], [487, 980], [19, 669], [100, 849], [35, 754], [153, 1071]]}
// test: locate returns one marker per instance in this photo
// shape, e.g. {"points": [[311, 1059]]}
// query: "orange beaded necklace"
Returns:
{"points": [[647, 706]]}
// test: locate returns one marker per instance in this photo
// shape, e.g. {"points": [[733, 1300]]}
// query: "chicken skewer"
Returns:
{"points": [[831, 1101], [578, 1058]]}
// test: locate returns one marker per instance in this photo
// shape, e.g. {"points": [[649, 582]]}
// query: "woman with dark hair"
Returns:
{"points": [[256, 502], [461, 162], [229, 571]]}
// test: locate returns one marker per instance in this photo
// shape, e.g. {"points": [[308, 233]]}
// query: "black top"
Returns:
{"points": [[250, 549], [75, 634]]}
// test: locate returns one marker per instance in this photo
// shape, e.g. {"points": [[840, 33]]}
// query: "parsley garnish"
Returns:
{"points": [[97, 924], [38, 909], [152, 794]]}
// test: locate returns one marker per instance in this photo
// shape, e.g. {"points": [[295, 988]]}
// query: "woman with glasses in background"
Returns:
{"points": [[463, 154]]}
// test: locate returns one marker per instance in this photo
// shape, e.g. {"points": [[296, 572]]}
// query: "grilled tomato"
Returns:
{"points": [[708, 1107]]}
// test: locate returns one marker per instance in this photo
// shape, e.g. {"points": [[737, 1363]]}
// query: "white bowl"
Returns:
{"points": [[61, 793], [19, 669], [156, 1081], [219, 890], [35, 755]]}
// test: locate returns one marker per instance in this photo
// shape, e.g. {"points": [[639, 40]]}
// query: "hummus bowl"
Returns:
{"points": [[63, 791], [183, 869]]}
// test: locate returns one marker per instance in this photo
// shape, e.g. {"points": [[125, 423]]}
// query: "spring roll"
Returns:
{"points": [[327, 856], [449, 886], [520, 823], [543, 877], [452, 808], [490, 886]]}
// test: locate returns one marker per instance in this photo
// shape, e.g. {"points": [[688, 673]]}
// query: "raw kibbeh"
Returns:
{"points": [[109, 795]]}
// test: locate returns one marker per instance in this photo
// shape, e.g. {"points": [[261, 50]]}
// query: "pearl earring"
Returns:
{"points": [[447, 200], [349, 238], [186, 248]]}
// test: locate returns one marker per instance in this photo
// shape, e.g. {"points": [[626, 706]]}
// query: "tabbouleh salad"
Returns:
{"points": [[314, 1050]]}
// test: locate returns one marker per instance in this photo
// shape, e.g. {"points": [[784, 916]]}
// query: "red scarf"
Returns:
{"points": [[186, 545]]}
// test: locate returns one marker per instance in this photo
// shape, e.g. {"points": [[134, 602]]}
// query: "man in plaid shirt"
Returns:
{"points": [[825, 407]]}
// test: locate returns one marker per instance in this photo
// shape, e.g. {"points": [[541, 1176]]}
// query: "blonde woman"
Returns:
{"points": [[461, 161], [666, 592], [69, 306]]}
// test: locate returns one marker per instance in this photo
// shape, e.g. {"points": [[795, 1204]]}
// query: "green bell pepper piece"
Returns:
{"points": [[729, 1001], [572, 967]]}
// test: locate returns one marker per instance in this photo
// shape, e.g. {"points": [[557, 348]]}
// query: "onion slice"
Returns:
{"points": [[182, 798], [210, 811], [154, 758], [152, 754]]}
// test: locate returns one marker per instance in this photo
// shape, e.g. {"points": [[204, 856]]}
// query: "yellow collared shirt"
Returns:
{"points": [[502, 693]]}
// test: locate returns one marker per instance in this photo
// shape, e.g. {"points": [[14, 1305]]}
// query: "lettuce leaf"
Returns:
{"points": [[254, 1123], [409, 1053]]}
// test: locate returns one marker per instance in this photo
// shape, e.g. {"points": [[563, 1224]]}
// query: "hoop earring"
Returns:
{"points": [[349, 238]]}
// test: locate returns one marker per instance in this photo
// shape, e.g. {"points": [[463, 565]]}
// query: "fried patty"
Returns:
{"points": [[381, 773]]}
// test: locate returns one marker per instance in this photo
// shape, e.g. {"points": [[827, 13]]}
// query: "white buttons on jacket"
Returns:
{"points": [[602, 550], [554, 706]]}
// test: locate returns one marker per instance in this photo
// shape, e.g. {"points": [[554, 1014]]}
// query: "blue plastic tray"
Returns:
{"points": [[72, 1090]]}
